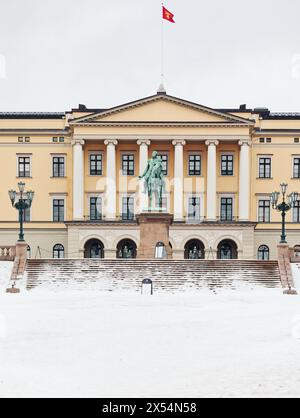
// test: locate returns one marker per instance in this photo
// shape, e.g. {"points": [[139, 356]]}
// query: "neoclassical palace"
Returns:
{"points": [[220, 167]]}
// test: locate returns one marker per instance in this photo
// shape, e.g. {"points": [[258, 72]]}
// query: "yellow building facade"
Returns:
{"points": [[220, 165]]}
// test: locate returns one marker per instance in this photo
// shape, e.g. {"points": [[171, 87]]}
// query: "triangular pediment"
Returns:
{"points": [[161, 109]]}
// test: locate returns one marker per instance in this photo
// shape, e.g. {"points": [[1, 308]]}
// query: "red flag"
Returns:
{"points": [[168, 15]]}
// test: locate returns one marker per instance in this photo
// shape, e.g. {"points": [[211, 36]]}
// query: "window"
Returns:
{"points": [[263, 253], [265, 168], [26, 215], [58, 139], [262, 140], [28, 251], [58, 210], [127, 208], [165, 163], [227, 165], [96, 164], [264, 207], [268, 140], [226, 209], [58, 251], [296, 168], [24, 166], [296, 212], [195, 165], [95, 208], [296, 140], [24, 139], [194, 208], [58, 166], [128, 165]]}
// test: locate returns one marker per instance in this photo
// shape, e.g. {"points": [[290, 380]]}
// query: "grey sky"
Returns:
{"points": [[220, 53]]}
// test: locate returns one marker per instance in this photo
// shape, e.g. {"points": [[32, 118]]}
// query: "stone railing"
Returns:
{"points": [[7, 253]]}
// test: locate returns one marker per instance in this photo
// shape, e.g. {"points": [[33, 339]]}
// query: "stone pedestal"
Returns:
{"points": [[154, 228], [285, 269], [19, 266]]}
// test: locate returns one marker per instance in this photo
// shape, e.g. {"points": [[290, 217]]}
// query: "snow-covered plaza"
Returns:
{"points": [[93, 344]]}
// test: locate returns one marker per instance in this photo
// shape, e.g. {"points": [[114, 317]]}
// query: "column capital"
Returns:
{"points": [[210, 142], [144, 142], [111, 142], [77, 142], [181, 142], [244, 142]]}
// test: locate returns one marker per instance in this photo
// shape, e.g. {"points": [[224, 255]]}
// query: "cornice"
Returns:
{"points": [[182, 124]]}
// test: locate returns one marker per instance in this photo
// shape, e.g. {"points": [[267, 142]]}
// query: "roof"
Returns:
{"points": [[32, 115]]}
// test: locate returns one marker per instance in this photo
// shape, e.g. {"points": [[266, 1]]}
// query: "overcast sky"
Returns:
{"points": [[55, 54]]}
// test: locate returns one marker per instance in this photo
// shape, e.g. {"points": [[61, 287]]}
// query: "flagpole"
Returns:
{"points": [[162, 49]]}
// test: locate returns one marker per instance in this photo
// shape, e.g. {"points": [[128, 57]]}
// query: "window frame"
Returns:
{"points": [[95, 154], [129, 173], [100, 218], [296, 157], [167, 162], [194, 172], [59, 164], [61, 249], [260, 251], [29, 156], [226, 173], [227, 218], [263, 199], [59, 198], [125, 216], [264, 157]]}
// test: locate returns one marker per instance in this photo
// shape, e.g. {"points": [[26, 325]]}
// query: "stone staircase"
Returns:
{"points": [[167, 275]]}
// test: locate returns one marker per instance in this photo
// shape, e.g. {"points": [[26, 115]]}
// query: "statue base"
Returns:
{"points": [[154, 228]]}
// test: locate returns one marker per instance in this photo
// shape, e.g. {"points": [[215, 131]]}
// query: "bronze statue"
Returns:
{"points": [[154, 179]]}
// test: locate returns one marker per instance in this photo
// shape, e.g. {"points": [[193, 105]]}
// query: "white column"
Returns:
{"points": [[178, 179], [143, 158], [211, 193], [111, 178], [78, 180], [244, 192]]}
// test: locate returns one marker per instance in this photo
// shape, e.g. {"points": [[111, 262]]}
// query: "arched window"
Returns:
{"points": [[126, 249], [263, 253], [194, 250], [58, 251], [297, 250], [28, 252], [94, 248], [227, 250]]}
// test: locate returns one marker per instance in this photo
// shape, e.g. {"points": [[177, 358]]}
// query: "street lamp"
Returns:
{"points": [[284, 206], [21, 201]]}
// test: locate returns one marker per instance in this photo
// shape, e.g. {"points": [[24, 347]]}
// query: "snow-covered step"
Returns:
{"points": [[167, 275]]}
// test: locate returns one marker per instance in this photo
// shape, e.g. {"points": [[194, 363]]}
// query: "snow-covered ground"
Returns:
{"points": [[296, 274], [5, 272], [235, 343]]}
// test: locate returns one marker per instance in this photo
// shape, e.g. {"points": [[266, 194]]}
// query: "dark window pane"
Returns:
{"points": [[265, 168], [58, 167], [96, 164], [58, 251], [165, 163], [227, 165], [58, 210], [24, 166], [128, 165], [195, 165], [194, 208], [264, 211], [127, 208], [95, 208], [226, 209]]}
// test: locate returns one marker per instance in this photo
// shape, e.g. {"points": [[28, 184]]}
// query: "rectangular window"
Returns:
{"points": [[296, 140], [296, 168], [264, 213], [195, 165], [268, 140], [226, 209], [262, 140], [128, 165], [96, 164], [194, 208], [265, 168], [127, 208], [227, 165], [58, 166], [55, 139], [165, 163], [296, 212], [24, 166], [95, 208], [58, 210], [61, 139]]}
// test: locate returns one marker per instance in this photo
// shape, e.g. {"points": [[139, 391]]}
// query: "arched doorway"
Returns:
{"points": [[94, 248], [126, 249], [194, 250], [227, 250]]}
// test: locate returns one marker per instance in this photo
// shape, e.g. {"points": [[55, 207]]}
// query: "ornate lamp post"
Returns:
{"points": [[21, 202], [284, 206]]}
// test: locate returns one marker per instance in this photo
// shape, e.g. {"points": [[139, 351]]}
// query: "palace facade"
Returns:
{"points": [[220, 165]]}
